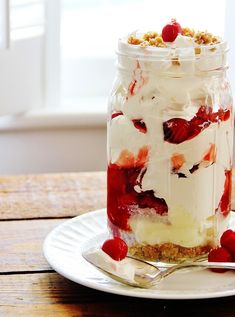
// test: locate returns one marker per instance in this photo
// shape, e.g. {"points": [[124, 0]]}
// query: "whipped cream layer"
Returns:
{"points": [[163, 90], [182, 56]]}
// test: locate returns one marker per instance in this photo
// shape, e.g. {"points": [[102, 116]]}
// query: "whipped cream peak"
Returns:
{"points": [[184, 41]]}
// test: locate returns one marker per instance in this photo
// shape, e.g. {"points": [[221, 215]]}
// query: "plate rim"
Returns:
{"points": [[130, 291]]}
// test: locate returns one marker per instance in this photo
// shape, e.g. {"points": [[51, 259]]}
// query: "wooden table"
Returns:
{"points": [[31, 206]]}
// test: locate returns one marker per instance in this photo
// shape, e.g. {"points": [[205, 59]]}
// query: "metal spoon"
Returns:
{"points": [[147, 275]]}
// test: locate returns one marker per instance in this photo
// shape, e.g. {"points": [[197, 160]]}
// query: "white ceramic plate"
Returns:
{"points": [[63, 250]]}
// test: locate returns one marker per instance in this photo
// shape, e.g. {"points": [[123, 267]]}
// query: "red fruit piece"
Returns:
{"points": [[170, 31], [204, 113], [116, 248], [140, 125], [176, 130], [224, 237], [176, 24], [227, 241], [222, 115], [116, 114], [148, 200], [219, 255]]}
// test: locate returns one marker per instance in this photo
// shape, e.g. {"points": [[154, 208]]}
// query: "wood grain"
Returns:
{"points": [[49, 295], [51, 195], [21, 244]]}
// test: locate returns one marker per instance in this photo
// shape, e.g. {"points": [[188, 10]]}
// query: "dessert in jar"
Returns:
{"points": [[170, 135]]}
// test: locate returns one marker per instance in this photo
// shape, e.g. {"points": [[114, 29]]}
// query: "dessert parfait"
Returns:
{"points": [[170, 134]]}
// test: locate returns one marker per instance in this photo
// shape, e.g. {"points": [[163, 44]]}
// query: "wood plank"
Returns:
{"points": [[51, 195], [49, 294], [21, 244]]}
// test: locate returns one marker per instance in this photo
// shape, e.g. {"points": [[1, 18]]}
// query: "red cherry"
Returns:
{"points": [[116, 248], [176, 130], [170, 31], [227, 241], [219, 255], [176, 24], [224, 237]]}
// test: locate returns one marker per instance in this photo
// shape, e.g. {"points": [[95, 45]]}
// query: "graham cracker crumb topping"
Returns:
{"points": [[148, 39], [188, 32], [155, 39], [206, 38]]}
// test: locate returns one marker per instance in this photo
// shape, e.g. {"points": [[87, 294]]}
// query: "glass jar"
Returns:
{"points": [[170, 135]]}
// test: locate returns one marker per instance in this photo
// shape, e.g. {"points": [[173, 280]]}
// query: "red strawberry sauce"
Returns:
{"points": [[132, 87], [225, 202], [123, 200]]}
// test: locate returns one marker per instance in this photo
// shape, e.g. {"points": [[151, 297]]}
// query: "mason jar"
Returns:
{"points": [[170, 136]]}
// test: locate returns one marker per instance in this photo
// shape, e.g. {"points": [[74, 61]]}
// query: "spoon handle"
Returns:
{"points": [[222, 265]]}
